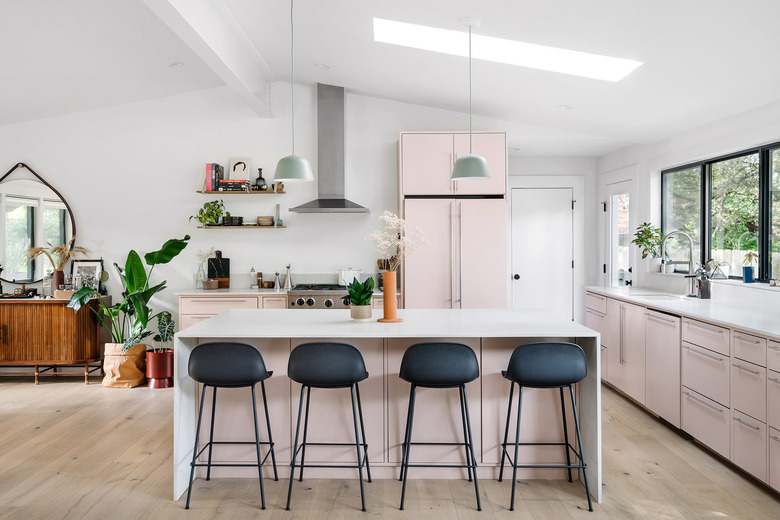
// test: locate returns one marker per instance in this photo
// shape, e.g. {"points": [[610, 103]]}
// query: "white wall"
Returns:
{"points": [[130, 174], [741, 131]]}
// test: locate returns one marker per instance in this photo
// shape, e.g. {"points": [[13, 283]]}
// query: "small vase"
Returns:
{"points": [[200, 277], [57, 279], [360, 312], [390, 307], [747, 274]]}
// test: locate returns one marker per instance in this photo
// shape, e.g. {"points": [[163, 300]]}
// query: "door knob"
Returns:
{"points": [[516, 277]]}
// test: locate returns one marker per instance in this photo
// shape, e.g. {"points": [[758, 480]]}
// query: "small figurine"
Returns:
{"points": [[279, 187], [260, 183]]}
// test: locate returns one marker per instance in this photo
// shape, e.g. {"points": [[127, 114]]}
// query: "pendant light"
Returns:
{"points": [[470, 166], [293, 168]]}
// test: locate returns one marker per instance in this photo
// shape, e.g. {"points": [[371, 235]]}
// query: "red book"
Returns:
{"points": [[209, 176]]}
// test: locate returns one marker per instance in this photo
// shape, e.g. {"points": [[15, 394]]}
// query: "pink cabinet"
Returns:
{"points": [[427, 159], [749, 444], [596, 302], [464, 265], [773, 356], [662, 365], [706, 335], [706, 372], [274, 302], [706, 420], [773, 399], [749, 348], [748, 389], [625, 342], [774, 458]]}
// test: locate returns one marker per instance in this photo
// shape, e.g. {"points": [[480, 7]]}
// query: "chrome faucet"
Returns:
{"points": [[691, 276]]}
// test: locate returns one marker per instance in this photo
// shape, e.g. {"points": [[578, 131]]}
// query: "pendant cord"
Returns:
{"points": [[292, 75], [470, 89]]}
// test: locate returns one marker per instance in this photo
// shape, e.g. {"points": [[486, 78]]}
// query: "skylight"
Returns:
{"points": [[503, 51]]}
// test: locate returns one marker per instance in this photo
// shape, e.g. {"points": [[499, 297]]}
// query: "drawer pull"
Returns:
{"points": [[597, 297], [218, 300], [740, 421], [774, 438], [774, 380], [589, 311], [700, 326], [705, 403], [774, 347], [720, 360], [754, 372], [658, 318], [747, 340]]}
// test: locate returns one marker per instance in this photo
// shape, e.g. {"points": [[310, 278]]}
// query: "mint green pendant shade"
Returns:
{"points": [[293, 168], [470, 166]]}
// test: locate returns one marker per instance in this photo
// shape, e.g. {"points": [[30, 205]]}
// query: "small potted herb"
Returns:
{"points": [[359, 299], [210, 213], [649, 240], [747, 266], [159, 359]]}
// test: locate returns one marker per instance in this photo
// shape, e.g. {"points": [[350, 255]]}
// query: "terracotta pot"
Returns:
{"points": [[390, 298], [159, 368], [360, 312]]}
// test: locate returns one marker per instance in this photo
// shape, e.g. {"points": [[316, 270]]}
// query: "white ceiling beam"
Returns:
{"points": [[215, 36]]}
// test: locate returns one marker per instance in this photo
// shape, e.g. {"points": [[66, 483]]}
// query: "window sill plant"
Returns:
{"points": [[359, 299], [649, 240]]}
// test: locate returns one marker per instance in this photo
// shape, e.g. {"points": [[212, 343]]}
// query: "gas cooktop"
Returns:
{"points": [[318, 287]]}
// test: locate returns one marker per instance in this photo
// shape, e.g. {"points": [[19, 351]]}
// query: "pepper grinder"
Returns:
{"points": [[277, 283], [288, 279]]}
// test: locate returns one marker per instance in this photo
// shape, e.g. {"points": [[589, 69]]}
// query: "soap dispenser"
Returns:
{"points": [[702, 284]]}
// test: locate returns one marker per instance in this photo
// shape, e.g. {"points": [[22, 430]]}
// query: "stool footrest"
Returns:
{"points": [[544, 466]]}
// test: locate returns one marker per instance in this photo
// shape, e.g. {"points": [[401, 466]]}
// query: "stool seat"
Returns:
{"points": [[227, 365], [326, 365], [547, 365], [439, 365]]}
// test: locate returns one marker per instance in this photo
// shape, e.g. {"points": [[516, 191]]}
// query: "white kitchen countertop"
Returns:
{"points": [[760, 322], [242, 291]]}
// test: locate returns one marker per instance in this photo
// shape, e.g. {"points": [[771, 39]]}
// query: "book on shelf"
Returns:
{"points": [[208, 184]]}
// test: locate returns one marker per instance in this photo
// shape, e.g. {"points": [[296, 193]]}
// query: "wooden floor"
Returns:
{"points": [[72, 451]]}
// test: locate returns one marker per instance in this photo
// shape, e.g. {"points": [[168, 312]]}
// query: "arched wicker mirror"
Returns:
{"points": [[32, 214]]}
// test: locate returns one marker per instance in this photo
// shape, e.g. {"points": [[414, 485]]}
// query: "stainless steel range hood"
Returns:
{"points": [[330, 156]]}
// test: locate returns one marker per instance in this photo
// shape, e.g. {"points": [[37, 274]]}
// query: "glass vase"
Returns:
{"points": [[200, 277]]}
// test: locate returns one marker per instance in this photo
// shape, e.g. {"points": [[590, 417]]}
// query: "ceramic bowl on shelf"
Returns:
{"points": [[265, 221]]}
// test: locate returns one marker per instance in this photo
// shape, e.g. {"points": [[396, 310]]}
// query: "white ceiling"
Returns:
{"points": [[703, 60]]}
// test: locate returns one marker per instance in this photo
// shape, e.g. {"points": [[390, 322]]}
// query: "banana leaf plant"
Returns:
{"points": [[128, 319]]}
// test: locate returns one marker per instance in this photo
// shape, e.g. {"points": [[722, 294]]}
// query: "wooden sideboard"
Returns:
{"points": [[46, 334]]}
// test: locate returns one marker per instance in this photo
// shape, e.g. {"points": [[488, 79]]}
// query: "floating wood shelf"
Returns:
{"points": [[242, 227], [254, 192]]}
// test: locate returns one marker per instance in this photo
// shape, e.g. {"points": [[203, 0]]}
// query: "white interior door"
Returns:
{"points": [[543, 250], [619, 232]]}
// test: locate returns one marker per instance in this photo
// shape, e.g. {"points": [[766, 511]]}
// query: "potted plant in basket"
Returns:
{"points": [[159, 360], [210, 213], [747, 266], [649, 240], [359, 299], [127, 320], [58, 256]]}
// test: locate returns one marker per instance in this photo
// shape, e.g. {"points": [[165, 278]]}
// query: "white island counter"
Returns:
{"points": [[493, 334]]}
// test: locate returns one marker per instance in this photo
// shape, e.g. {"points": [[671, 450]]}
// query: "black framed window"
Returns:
{"points": [[682, 211]]}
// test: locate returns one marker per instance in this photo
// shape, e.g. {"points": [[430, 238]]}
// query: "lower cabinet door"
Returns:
{"points": [[706, 372], [274, 302], [773, 399], [185, 320], [748, 389], [774, 458], [706, 420], [748, 444], [604, 354]]}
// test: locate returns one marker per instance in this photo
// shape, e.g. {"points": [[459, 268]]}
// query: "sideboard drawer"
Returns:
{"points": [[706, 420], [748, 389], [749, 347], [706, 335], [748, 444], [216, 304], [706, 372]]}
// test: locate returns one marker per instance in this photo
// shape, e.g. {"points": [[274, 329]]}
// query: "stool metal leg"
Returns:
{"points": [[506, 430], [517, 442], [268, 425], [405, 461], [295, 449], [211, 434], [465, 436], [471, 444], [565, 434], [195, 448], [406, 437], [305, 433], [357, 447], [257, 447], [363, 431], [579, 445]]}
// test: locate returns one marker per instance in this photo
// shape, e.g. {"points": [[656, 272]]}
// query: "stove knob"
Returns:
{"points": [[310, 302], [346, 303], [299, 302], [329, 303]]}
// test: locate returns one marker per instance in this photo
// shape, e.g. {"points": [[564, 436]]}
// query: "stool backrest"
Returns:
{"points": [[547, 364], [326, 365], [439, 364], [227, 364]]}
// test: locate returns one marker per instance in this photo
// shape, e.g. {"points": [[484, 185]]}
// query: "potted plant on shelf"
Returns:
{"points": [[159, 360], [359, 299], [747, 266], [127, 320], [210, 213], [649, 240], [58, 256]]}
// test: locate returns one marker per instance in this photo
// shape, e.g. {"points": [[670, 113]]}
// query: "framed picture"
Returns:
{"points": [[239, 169], [89, 271]]}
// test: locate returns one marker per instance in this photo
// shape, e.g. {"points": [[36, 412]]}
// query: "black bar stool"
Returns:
{"points": [[439, 365], [328, 365], [545, 365], [229, 365]]}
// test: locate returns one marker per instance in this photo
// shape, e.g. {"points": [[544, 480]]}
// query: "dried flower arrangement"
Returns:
{"points": [[57, 255], [396, 240]]}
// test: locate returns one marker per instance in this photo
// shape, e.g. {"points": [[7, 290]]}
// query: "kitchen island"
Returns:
{"points": [[493, 334]]}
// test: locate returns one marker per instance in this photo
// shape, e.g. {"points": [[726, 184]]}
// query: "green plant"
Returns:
{"points": [[750, 258], [211, 212], [359, 293], [648, 239], [165, 327], [127, 320]]}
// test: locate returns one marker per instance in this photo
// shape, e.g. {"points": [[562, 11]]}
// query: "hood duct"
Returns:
{"points": [[330, 156]]}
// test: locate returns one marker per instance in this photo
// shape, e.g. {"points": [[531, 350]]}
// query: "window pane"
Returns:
{"points": [[619, 237], [682, 212], [734, 210], [18, 233], [774, 237]]}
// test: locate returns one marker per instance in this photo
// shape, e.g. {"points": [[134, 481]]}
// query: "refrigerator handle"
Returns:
{"points": [[460, 256], [452, 255]]}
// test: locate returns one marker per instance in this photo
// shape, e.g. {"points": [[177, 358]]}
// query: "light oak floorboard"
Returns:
{"points": [[75, 451]]}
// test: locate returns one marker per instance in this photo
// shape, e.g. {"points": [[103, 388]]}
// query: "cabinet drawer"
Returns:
{"points": [[750, 348], [216, 304], [706, 420], [706, 372], [596, 302], [773, 356], [774, 458], [773, 399], [748, 389], [596, 321], [274, 302], [748, 444], [706, 335], [185, 320]]}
